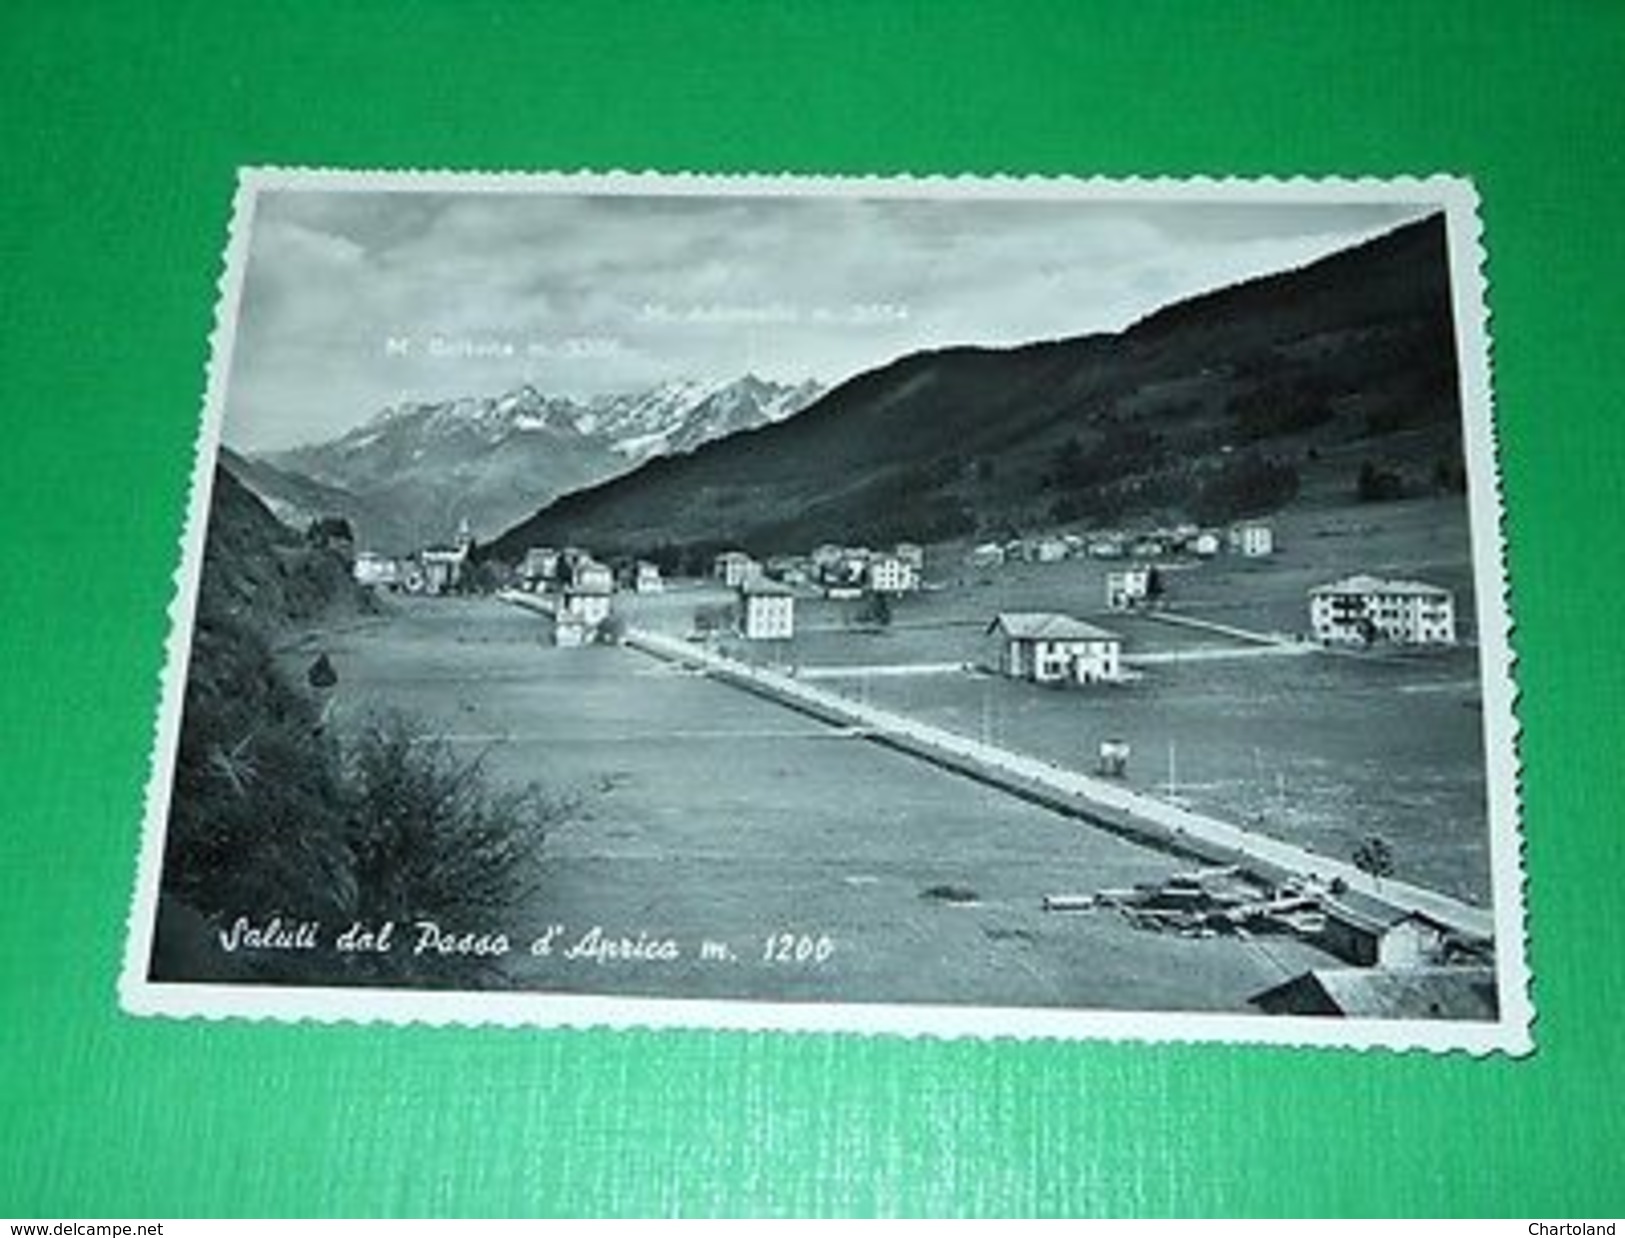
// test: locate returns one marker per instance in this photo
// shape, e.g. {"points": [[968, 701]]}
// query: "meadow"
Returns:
{"points": [[704, 814]]}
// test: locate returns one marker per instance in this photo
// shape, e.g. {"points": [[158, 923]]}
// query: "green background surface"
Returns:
{"points": [[120, 129]]}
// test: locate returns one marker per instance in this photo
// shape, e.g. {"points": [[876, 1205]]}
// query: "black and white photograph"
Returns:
{"points": [[1036, 608]]}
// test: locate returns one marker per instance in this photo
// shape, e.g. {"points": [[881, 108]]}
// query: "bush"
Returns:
{"points": [[1378, 485], [716, 617], [271, 816], [431, 839], [256, 818]]}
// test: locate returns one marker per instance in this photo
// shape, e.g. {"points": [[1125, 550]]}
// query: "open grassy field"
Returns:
{"points": [[1425, 539], [1321, 751], [1418, 538], [707, 814], [946, 625]]}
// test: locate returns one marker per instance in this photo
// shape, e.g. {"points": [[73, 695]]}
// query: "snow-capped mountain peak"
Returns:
{"points": [[526, 447]]}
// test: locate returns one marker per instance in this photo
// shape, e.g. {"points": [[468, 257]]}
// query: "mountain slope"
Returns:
{"points": [[259, 572], [296, 500], [1354, 351], [412, 473]]}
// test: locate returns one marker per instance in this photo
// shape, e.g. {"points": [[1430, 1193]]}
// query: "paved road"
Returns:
{"points": [[1223, 629], [1175, 656], [889, 670], [1106, 801]]}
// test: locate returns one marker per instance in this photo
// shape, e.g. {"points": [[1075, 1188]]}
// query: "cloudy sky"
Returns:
{"points": [[353, 301]]}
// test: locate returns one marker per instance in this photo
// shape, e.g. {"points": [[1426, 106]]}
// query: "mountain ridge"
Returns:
{"points": [[1356, 347], [411, 473]]}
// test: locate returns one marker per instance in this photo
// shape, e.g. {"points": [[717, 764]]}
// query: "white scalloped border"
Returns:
{"points": [[1510, 1034]]}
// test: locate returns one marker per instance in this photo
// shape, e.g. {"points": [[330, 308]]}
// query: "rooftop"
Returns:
{"points": [[762, 586], [1367, 584], [1367, 911], [1381, 993], [1040, 625]]}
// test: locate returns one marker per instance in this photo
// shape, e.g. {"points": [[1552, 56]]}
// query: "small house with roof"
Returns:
{"points": [[911, 553], [892, 574], [767, 610], [570, 630], [376, 571], [1047, 549], [589, 573], [588, 601], [1049, 648], [1366, 993], [1252, 539], [539, 566], [1128, 588], [1369, 932], [734, 567], [988, 554], [442, 567]]}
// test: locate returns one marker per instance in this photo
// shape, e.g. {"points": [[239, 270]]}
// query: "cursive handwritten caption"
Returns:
{"points": [[594, 944]]}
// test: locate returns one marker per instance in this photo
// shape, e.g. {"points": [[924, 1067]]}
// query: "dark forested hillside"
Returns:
{"points": [[1235, 401]]}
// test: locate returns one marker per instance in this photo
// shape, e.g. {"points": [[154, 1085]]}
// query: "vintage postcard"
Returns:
{"points": [[1012, 607]]}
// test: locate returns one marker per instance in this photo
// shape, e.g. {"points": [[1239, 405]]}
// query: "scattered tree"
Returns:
{"points": [[1378, 485], [1375, 857], [876, 610], [715, 619], [321, 673], [1450, 476], [333, 532]]}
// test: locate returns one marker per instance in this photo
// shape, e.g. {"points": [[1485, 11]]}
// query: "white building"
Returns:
{"points": [[1253, 539], [591, 574], [570, 631], [1050, 648], [1361, 610], [850, 568], [540, 564], [734, 567], [912, 554], [646, 578], [1369, 932], [442, 567], [892, 574], [1205, 544], [375, 571], [590, 603], [767, 610], [1128, 588], [1048, 550], [988, 554]]}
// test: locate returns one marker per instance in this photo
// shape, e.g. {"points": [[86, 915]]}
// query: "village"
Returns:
{"points": [[1044, 667], [1360, 610]]}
